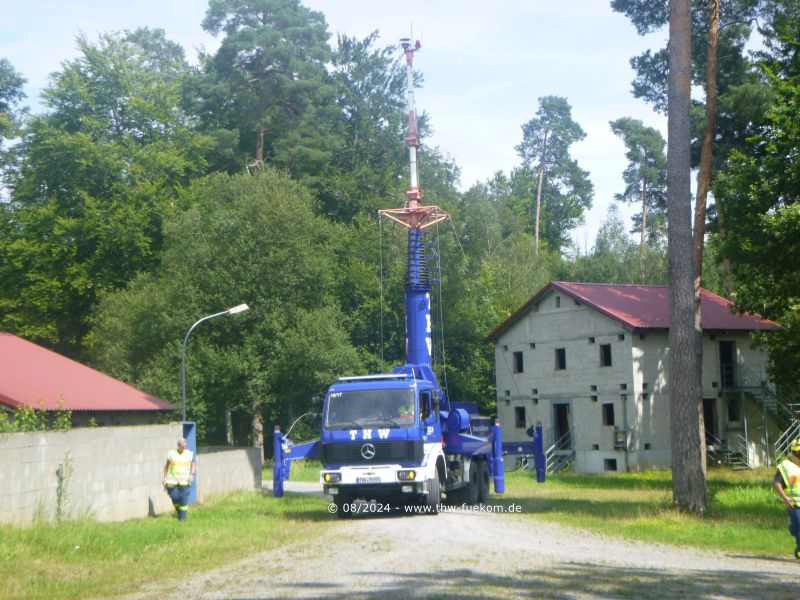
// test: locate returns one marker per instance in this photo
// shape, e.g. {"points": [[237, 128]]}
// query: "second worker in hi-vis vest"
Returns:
{"points": [[178, 477], [787, 484]]}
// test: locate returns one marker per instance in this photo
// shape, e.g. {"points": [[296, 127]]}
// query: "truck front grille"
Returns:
{"points": [[394, 451]]}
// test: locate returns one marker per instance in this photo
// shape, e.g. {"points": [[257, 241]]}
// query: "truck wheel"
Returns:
{"points": [[340, 500], [474, 486], [457, 497], [483, 472], [434, 496]]}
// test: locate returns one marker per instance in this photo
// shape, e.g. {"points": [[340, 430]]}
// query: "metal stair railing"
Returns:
{"points": [[781, 446], [560, 456], [765, 393], [735, 454], [741, 457], [716, 450], [769, 398]]}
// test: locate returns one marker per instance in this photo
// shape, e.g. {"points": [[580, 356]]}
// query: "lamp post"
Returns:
{"points": [[230, 311]]}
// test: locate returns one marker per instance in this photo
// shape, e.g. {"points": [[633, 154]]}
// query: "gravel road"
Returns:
{"points": [[485, 555]]}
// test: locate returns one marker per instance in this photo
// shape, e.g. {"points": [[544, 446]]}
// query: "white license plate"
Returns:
{"points": [[368, 479]]}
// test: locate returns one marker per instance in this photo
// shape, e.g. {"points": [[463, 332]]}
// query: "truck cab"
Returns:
{"points": [[381, 440]]}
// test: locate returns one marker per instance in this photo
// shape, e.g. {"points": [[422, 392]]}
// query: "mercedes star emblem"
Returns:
{"points": [[368, 451]]}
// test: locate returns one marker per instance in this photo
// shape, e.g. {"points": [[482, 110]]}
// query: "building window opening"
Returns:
{"points": [[605, 355], [561, 359], [608, 414], [519, 417], [610, 464], [519, 366]]}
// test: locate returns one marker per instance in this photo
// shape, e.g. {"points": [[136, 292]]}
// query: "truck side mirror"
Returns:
{"points": [[437, 401], [316, 403]]}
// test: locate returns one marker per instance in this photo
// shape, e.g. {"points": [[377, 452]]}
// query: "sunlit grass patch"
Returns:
{"points": [[80, 558], [744, 515]]}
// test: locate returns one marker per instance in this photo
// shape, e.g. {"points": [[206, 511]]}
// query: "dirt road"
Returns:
{"points": [[483, 555]]}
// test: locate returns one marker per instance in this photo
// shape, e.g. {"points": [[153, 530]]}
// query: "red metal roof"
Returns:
{"points": [[643, 307], [30, 374]]}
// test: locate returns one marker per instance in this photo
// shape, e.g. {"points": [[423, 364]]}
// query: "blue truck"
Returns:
{"points": [[396, 437]]}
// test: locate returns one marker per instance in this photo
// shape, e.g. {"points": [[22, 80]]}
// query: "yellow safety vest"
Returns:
{"points": [[791, 478], [180, 467]]}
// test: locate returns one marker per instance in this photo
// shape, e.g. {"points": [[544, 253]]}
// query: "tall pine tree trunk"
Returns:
{"points": [[260, 145], [643, 239], [538, 208], [706, 150], [685, 339]]}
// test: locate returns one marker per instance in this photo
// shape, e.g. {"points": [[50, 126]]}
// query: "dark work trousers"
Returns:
{"points": [[794, 527], [180, 500]]}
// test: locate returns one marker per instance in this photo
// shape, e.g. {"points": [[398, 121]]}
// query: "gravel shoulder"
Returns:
{"points": [[467, 554]]}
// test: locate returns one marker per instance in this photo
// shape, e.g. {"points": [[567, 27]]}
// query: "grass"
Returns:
{"points": [[76, 558], [745, 515], [83, 557], [301, 470]]}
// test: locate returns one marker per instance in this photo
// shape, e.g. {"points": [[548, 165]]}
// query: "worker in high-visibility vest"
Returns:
{"points": [[178, 477], [787, 485]]}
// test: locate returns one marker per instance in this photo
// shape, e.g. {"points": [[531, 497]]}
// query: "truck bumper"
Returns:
{"points": [[379, 481]]}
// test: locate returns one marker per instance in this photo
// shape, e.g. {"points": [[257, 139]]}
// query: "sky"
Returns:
{"points": [[485, 65]]}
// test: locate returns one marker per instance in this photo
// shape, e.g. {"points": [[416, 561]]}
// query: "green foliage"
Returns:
{"points": [[62, 420], [252, 239], [371, 165], [11, 93], [759, 197], [6, 423], [645, 176], [27, 418], [96, 176], [615, 259], [550, 173], [268, 81]]}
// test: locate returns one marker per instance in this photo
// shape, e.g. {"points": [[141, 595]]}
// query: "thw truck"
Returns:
{"points": [[396, 437]]}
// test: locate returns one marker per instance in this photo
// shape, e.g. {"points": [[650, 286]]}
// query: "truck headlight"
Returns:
{"points": [[406, 475], [332, 477]]}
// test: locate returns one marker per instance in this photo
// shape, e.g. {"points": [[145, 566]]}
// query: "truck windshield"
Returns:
{"points": [[370, 408]]}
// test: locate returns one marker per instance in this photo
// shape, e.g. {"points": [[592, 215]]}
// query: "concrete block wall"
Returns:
{"points": [[115, 472], [224, 469]]}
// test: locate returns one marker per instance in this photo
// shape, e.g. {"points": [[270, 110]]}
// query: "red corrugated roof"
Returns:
{"points": [[644, 307], [30, 374]]}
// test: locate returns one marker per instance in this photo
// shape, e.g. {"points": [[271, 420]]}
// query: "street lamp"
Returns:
{"points": [[230, 311]]}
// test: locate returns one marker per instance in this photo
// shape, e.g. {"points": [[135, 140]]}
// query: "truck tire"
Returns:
{"points": [[340, 500], [458, 497], [474, 486], [483, 472], [434, 496]]}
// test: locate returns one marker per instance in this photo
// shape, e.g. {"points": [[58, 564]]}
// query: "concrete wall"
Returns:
{"points": [[636, 385], [115, 472], [222, 469]]}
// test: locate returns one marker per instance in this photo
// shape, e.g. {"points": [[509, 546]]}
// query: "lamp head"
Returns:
{"points": [[238, 309]]}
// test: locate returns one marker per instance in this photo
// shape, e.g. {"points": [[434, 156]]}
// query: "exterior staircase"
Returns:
{"points": [[784, 413], [560, 456], [735, 456]]}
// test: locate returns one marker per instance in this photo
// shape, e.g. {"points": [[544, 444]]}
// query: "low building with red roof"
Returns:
{"points": [[35, 376], [590, 362]]}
